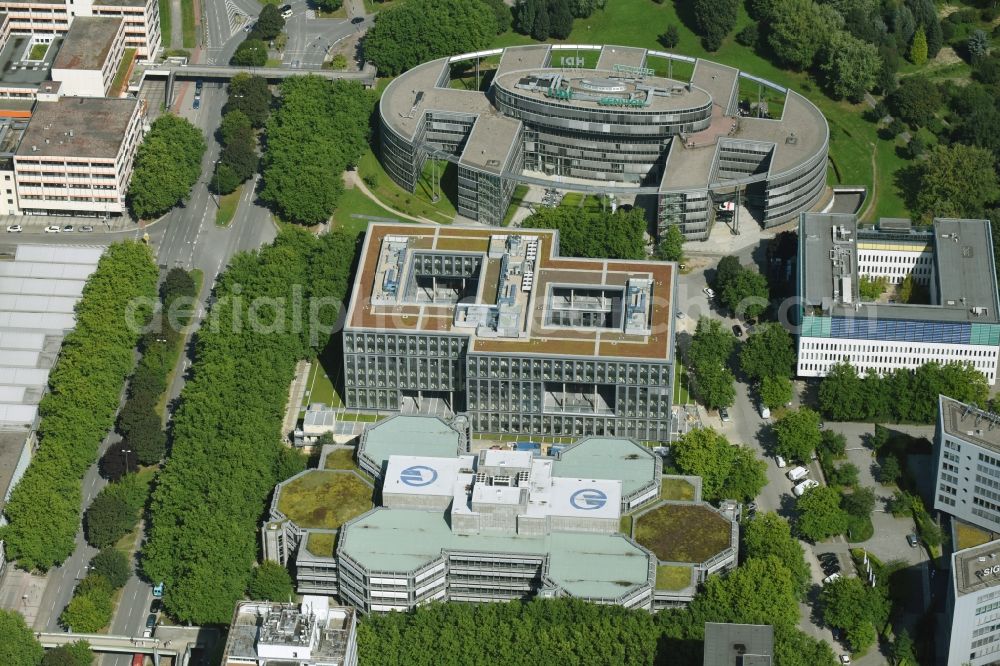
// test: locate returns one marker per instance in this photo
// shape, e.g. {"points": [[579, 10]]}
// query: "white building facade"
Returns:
{"points": [[952, 313], [967, 452], [974, 605]]}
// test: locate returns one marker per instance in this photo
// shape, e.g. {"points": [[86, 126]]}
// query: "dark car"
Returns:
{"points": [[150, 621], [358, 19], [912, 540], [156, 606], [737, 331], [830, 568]]}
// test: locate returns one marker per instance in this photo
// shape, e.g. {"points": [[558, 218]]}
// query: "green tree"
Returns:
{"points": [[90, 611], [618, 235], [250, 95], [167, 164], [73, 654], [225, 179], [713, 20], [871, 288], [850, 66], [250, 53], [861, 502], [108, 519], [726, 271], [713, 384], [797, 434], [761, 591], [902, 651], [851, 605], [235, 124], [889, 471], [671, 37], [841, 395], [269, 24], [768, 353], [710, 342], [770, 534], [416, 31], [978, 44], [502, 13], [915, 101], [775, 391], [271, 581], [18, 646], [918, 47], [955, 181], [113, 565], [560, 19], [845, 475], [799, 28], [671, 246], [746, 294], [241, 155], [820, 515], [832, 443], [727, 471]]}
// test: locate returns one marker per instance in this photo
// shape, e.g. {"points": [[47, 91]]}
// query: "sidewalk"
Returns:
{"points": [[22, 592]]}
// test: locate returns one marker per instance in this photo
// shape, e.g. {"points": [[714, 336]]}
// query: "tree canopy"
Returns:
{"points": [[708, 357], [726, 471], [955, 181], [269, 24], [271, 581], [768, 534], [741, 289], [617, 235], [852, 605], [671, 246], [416, 31], [768, 352], [249, 95], [250, 53], [319, 130], [775, 391], [18, 646], [713, 20], [79, 408], [820, 515], [202, 538], [167, 164], [850, 66], [799, 29], [797, 434], [114, 565]]}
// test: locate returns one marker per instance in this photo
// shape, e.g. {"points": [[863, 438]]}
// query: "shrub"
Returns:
{"points": [[670, 37]]}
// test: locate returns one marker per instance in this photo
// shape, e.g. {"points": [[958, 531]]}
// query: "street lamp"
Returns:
{"points": [[125, 453], [214, 190]]}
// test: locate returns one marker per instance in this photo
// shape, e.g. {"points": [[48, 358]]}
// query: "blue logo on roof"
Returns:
{"points": [[588, 499], [418, 476]]}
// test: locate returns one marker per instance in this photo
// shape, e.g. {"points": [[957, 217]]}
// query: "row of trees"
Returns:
{"points": [[416, 31], [79, 408], [246, 111], [741, 288], [862, 611], [116, 510], [226, 452], [167, 164], [536, 633], [319, 129], [708, 363], [726, 471], [92, 605], [589, 233], [20, 647], [551, 18], [901, 395]]}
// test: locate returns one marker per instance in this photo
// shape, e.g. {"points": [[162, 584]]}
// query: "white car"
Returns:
{"points": [[845, 659], [797, 473], [780, 462], [708, 292], [14, 229], [832, 577], [800, 489], [52, 229], [765, 412]]}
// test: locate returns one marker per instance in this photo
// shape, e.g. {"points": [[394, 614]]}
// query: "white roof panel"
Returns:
{"points": [[22, 340], [423, 475], [62, 254], [12, 393], [18, 303], [19, 358], [39, 270], [37, 321], [41, 287], [11, 376], [17, 415]]}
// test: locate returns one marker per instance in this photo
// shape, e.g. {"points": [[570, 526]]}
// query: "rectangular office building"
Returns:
{"points": [[496, 324], [895, 296], [967, 448], [974, 606]]}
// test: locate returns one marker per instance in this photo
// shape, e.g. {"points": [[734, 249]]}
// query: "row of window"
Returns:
{"points": [[899, 349]]}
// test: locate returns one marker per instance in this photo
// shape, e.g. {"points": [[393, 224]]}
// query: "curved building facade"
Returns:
{"points": [[623, 126]]}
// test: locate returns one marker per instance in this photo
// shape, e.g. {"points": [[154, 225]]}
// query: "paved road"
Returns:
{"points": [[309, 38]]}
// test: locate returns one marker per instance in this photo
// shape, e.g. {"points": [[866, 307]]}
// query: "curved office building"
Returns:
{"points": [[604, 119]]}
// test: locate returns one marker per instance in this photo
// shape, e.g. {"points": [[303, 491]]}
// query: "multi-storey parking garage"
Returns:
{"points": [[622, 127]]}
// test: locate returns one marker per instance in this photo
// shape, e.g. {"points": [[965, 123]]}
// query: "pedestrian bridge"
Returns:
{"points": [[273, 74], [123, 644]]}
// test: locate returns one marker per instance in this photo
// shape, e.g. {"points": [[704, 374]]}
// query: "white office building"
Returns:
{"points": [[974, 606], [947, 311], [967, 448]]}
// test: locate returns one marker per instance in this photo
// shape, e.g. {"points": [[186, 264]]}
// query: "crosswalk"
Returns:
{"points": [[237, 17]]}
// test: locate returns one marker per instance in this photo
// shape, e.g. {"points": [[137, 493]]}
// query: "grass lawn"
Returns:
{"points": [[372, 6], [227, 207], [116, 85], [359, 418], [320, 387], [676, 489], [187, 24], [340, 459], [417, 204], [324, 499], [354, 202], [38, 52], [640, 22], [670, 577], [968, 536], [678, 70], [273, 62], [340, 13], [165, 23], [515, 202], [572, 200], [888, 196], [625, 525], [681, 395], [683, 533], [321, 544]]}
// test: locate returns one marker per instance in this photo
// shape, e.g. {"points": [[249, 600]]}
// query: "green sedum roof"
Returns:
{"points": [[585, 565]]}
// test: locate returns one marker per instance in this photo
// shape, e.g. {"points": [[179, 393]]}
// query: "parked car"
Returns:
{"points": [[286, 11], [797, 473], [765, 412], [249, 26], [150, 621], [14, 229], [52, 229], [358, 19], [86, 228], [832, 577], [780, 462], [196, 104], [912, 540], [737, 331], [680, 315], [68, 229], [830, 567], [156, 606], [724, 415], [845, 659], [800, 489], [708, 292]]}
